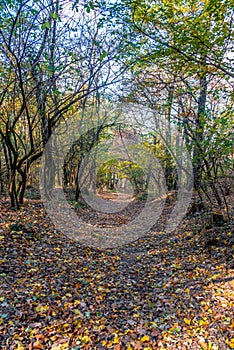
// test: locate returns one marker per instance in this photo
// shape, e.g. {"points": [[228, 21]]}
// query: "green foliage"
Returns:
{"points": [[183, 32], [121, 169]]}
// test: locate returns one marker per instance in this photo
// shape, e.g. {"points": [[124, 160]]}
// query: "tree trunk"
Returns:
{"points": [[12, 190], [198, 151], [22, 187]]}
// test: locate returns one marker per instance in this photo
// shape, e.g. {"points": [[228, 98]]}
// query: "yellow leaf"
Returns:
{"points": [[205, 345], [187, 321], [231, 343], [116, 340], [53, 338], [210, 345], [85, 339], [203, 322], [66, 325], [145, 338], [42, 308], [20, 346]]}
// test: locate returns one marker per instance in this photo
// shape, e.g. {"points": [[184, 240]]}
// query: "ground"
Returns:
{"points": [[163, 291]]}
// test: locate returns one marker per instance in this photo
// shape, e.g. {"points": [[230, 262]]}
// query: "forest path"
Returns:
{"points": [[160, 291]]}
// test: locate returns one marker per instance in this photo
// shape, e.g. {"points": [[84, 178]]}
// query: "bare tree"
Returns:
{"points": [[52, 57]]}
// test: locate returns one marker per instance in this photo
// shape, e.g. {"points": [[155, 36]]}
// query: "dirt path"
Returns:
{"points": [[164, 291]]}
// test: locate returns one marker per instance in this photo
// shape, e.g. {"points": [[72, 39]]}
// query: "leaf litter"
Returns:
{"points": [[163, 291]]}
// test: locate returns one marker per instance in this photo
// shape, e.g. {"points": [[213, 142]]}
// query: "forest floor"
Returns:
{"points": [[163, 291]]}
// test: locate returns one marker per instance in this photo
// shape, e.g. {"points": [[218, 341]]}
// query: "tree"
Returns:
{"points": [[52, 58], [180, 56]]}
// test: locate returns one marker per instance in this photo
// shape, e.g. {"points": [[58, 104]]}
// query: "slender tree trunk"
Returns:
{"points": [[12, 189], [22, 186], [197, 154], [78, 185], [1, 175], [49, 173]]}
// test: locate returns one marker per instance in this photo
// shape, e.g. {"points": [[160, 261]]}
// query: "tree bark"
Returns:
{"points": [[197, 154]]}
